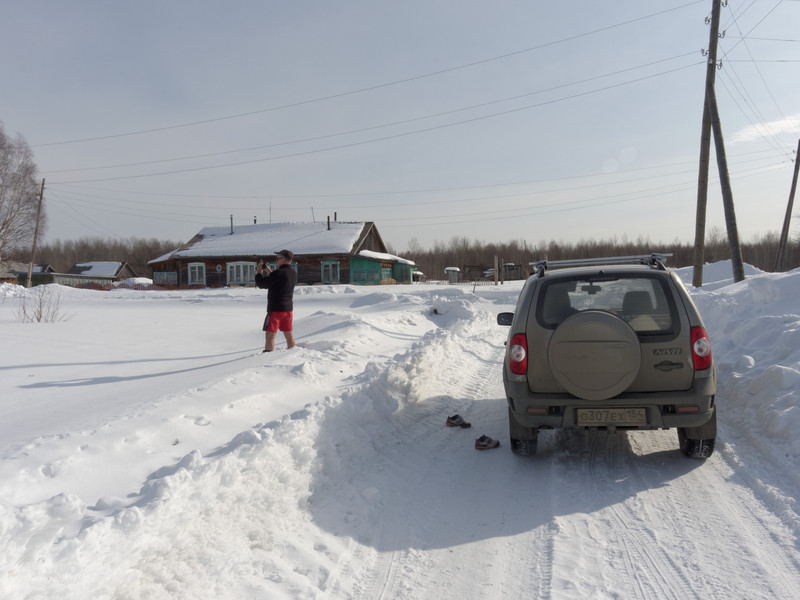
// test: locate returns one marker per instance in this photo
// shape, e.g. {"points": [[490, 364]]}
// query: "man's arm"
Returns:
{"points": [[261, 276]]}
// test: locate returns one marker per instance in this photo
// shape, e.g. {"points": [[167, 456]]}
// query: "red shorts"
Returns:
{"points": [[278, 320]]}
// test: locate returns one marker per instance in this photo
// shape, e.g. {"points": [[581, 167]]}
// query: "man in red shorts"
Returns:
{"points": [[280, 289]]}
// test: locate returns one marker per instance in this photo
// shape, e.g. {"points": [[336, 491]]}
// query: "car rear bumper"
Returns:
{"points": [[665, 410]]}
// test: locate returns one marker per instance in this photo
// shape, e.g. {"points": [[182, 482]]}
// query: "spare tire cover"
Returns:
{"points": [[594, 355]]}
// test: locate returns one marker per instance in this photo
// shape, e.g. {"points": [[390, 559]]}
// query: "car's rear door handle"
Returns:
{"points": [[668, 365]]}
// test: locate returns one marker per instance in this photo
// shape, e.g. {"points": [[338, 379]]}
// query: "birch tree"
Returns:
{"points": [[19, 194]]}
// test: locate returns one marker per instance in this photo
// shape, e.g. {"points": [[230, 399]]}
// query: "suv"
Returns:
{"points": [[600, 344]]}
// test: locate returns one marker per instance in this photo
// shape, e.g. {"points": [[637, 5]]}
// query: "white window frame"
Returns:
{"points": [[241, 272], [327, 271], [197, 273]]}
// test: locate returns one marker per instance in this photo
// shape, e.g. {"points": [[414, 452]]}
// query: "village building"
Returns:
{"points": [[17, 272], [95, 273], [324, 253]]}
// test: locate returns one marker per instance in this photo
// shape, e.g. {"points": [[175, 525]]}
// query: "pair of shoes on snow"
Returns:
{"points": [[457, 421], [486, 443], [482, 443]]}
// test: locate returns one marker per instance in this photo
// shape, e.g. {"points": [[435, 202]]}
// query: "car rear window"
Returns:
{"points": [[641, 301]]}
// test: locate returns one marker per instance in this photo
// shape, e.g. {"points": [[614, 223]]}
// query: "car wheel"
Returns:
{"points": [[699, 442], [700, 449], [524, 447], [524, 440]]}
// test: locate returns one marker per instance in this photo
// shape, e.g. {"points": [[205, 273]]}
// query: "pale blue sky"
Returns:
{"points": [[494, 120]]}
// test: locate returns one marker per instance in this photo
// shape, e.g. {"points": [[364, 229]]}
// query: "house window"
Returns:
{"points": [[197, 274], [330, 271], [165, 278], [365, 276], [241, 273]]}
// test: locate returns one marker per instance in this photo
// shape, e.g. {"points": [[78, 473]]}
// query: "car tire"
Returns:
{"points": [[699, 449], [699, 442], [524, 447], [524, 440]]}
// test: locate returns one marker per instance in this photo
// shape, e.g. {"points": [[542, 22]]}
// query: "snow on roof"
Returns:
{"points": [[98, 269], [384, 256], [264, 240], [20, 267], [161, 258]]}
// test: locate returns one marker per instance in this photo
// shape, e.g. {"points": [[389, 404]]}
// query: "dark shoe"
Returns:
{"points": [[457, 421]]}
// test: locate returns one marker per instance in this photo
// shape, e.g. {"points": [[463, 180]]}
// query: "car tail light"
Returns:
{"points": [[701, 349], [518, 354]]}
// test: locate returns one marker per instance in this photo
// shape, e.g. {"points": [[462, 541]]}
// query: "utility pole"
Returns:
{"points": [[788, 217], [35, 237], [727, 193], [705, 149]]}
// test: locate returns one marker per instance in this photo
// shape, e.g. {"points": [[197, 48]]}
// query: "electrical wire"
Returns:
{"points": [[387, 137], [377, 86], [135, 208], [374, 127], [763, 123]]}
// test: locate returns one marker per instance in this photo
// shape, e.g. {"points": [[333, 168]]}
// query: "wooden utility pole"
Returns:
{"points": [[727, 193], [705, 149], [35, 237], [787, 219]]}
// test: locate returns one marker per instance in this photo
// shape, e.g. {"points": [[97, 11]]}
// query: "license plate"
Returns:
{"points": [[588, 417]]}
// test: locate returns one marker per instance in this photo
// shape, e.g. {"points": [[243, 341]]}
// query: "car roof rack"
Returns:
{"points": [[654, 259]]}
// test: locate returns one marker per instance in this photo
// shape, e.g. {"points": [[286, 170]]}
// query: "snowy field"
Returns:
{"points": [[148, 449]]}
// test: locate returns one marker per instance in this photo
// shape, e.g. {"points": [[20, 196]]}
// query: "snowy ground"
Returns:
{"points": [[149, 450]]}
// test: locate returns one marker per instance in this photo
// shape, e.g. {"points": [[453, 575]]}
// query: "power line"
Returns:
{"points": [[374, 87], [407, 191], [136, 206], [375, 127], [387, 137], [763, 124]]}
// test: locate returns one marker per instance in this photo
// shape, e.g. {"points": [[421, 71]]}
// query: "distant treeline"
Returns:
{"points": [[473, 257], [134, 251]]}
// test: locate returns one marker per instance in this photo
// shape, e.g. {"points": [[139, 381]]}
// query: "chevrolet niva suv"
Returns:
{"points": [[600, 344]]}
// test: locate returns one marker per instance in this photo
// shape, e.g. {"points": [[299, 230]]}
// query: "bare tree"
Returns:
{"points": [[19, 194]]}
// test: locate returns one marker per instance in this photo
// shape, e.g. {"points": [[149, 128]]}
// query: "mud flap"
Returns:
{"points": [[706, 431]]}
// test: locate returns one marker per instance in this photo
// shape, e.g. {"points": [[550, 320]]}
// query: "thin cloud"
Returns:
{"points": [[790, 125]]}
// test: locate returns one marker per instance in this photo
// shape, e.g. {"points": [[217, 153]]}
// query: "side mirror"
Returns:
{"points": [[505, 318]]}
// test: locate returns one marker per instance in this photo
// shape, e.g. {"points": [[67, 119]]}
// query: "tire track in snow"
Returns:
{"points": [[464, 382], [741, 521], [664, 526], [615, 550], [435, 521], [649, 568], [717, 510]]}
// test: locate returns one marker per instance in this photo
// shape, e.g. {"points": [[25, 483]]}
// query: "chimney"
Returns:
{"points": [[334, 217], [329, 222], [231, 224]]}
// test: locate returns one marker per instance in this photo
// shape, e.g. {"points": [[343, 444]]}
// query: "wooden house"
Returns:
{"points": [[324, 253], [17, 272], [95, 274]]}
